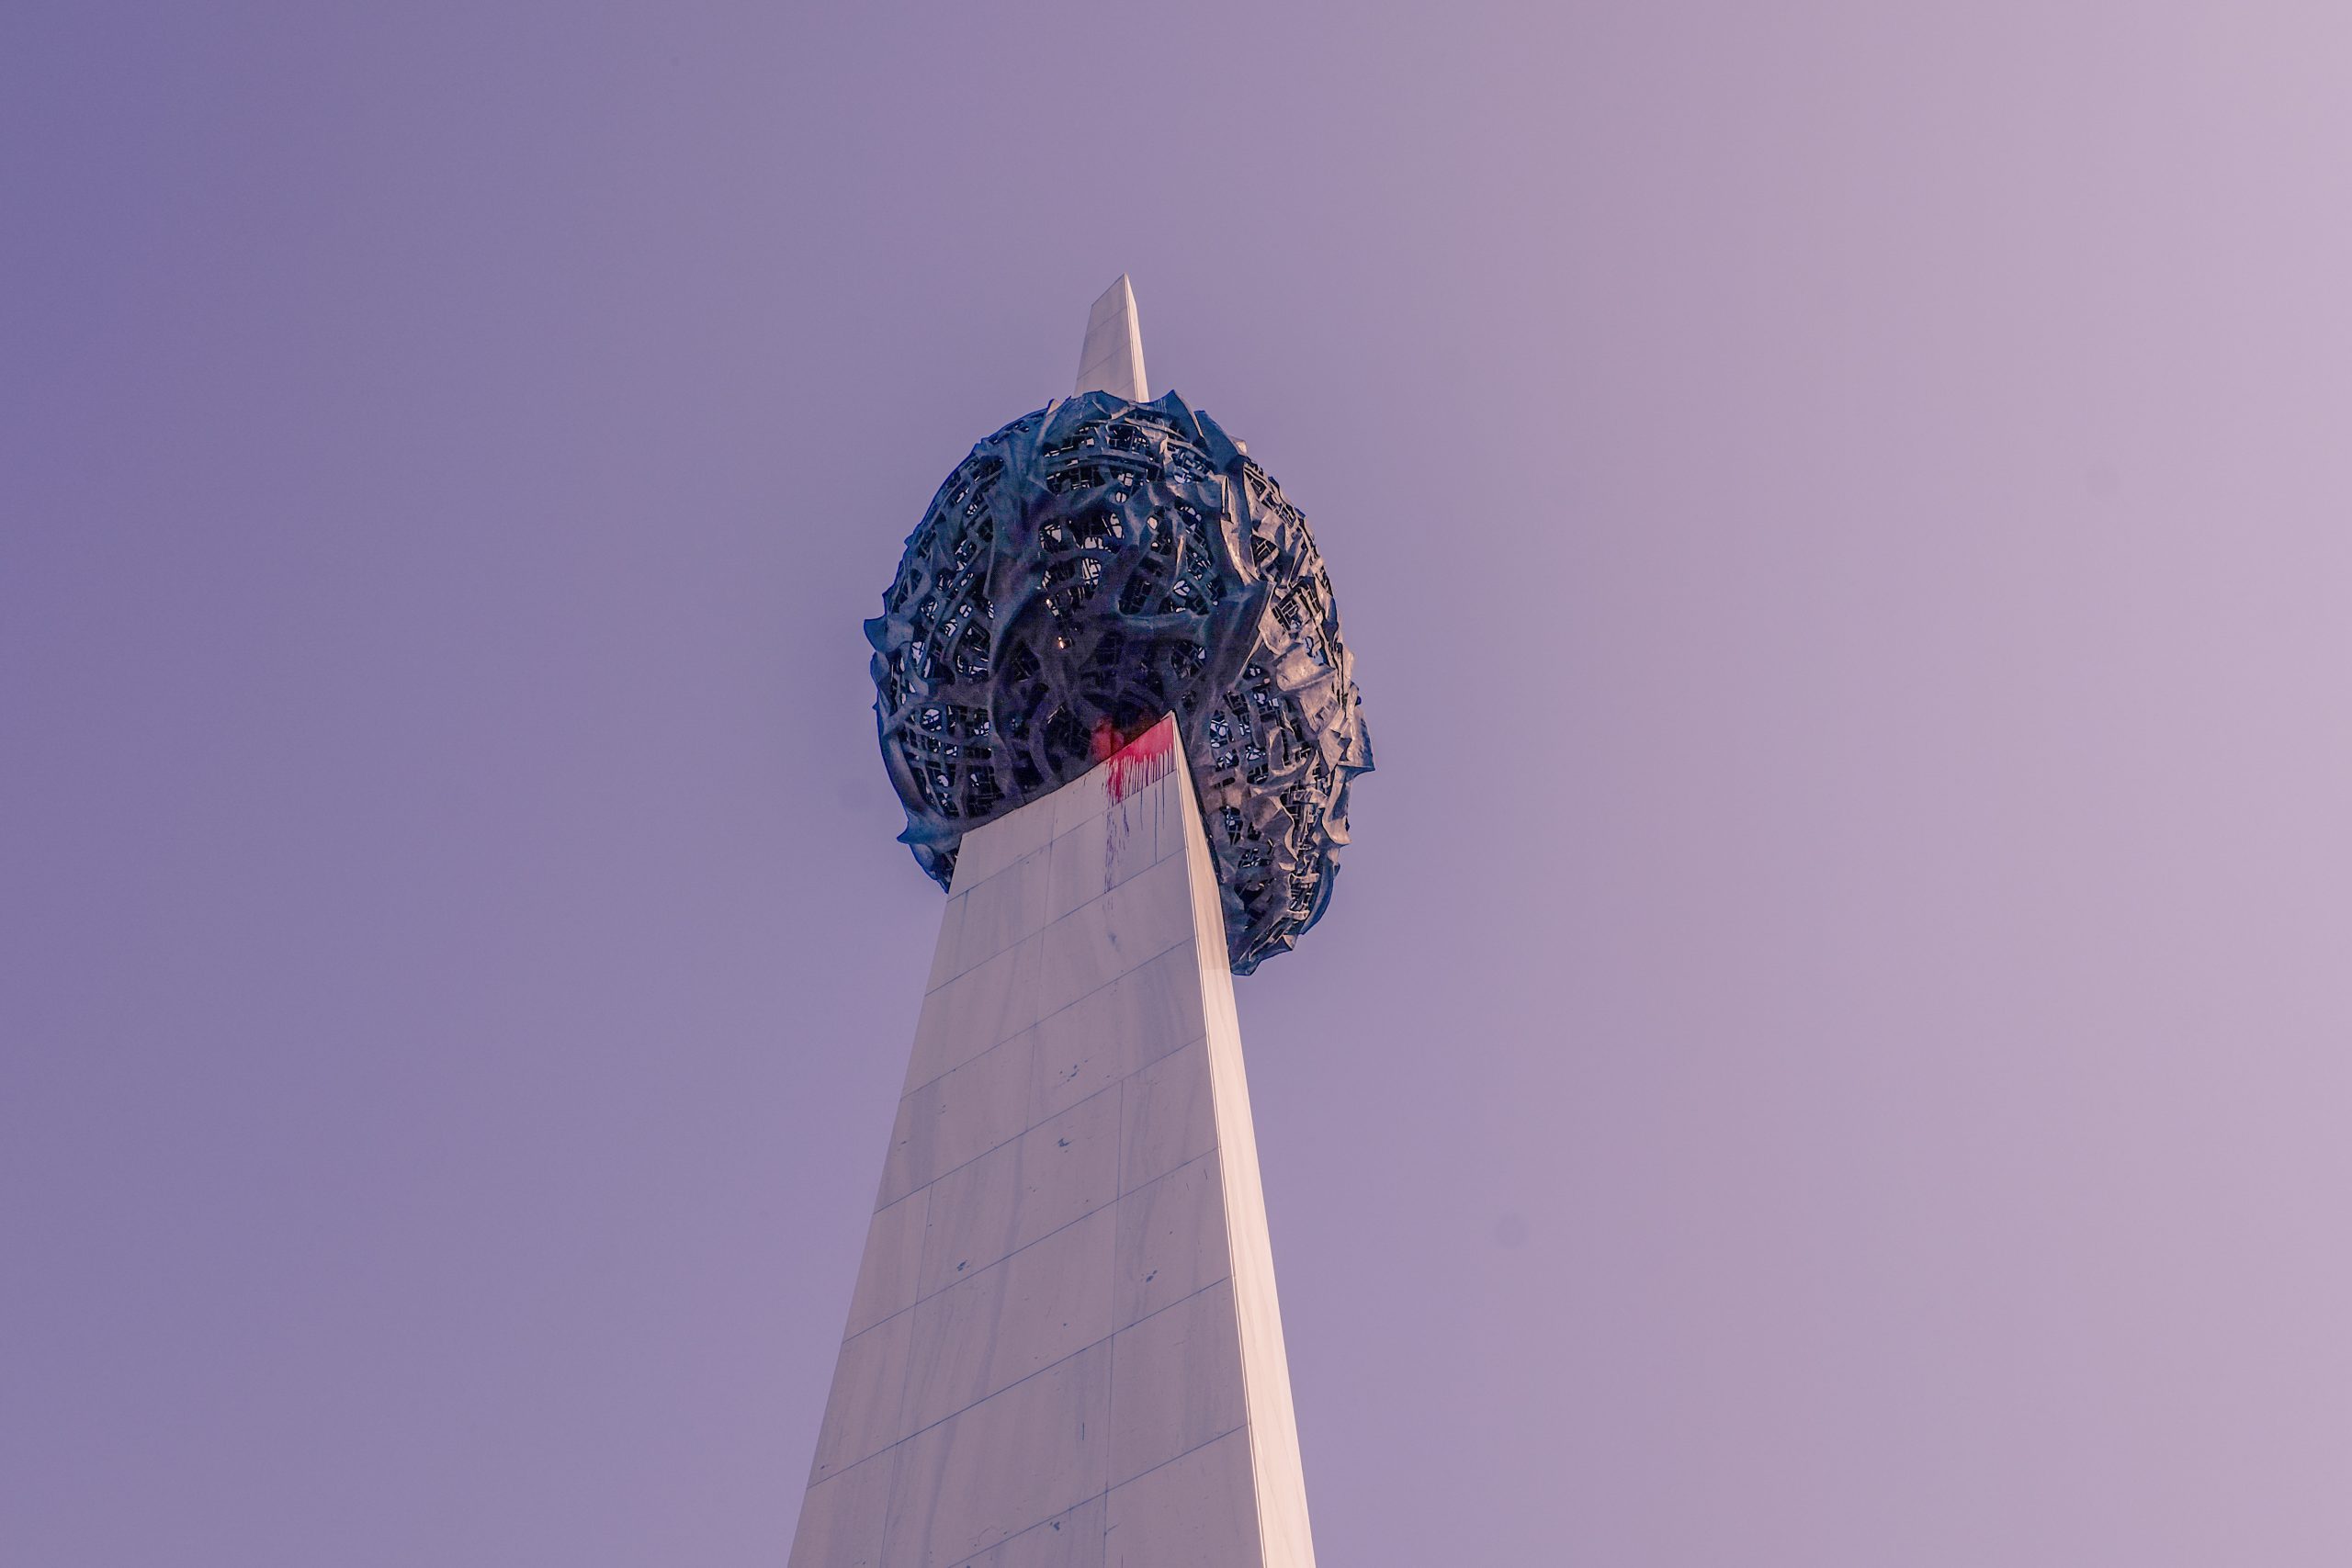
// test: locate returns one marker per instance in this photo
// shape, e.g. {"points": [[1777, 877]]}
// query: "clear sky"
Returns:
{"points": [[1833, 1047]]}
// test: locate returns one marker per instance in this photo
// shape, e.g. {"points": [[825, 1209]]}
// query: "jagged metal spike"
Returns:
{"points": [[1111, 360]]}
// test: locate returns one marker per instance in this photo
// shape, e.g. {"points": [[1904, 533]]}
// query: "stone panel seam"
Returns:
{"points": [[1057, 919], [1130, 1481], [909, 1437], [1049, 1235], [1040, 1023], [1107, 1088]]}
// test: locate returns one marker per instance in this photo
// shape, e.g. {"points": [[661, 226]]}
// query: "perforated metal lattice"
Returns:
{"points": [[1090, 568]]}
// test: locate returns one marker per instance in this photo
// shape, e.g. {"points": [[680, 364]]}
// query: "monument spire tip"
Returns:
{"points": [[1111, 360]]}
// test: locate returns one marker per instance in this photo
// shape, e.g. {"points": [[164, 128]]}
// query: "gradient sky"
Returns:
{"points": [[1833, 1047]]}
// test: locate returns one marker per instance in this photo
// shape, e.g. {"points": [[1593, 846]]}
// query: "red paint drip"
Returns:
{"points": [[1143, 762]]}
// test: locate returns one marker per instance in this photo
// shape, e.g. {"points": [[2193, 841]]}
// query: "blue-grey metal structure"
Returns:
{"points": [[1091, 566]]}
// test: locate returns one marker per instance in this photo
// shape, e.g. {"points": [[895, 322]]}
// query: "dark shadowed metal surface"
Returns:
{"points": [[1088, 567]]}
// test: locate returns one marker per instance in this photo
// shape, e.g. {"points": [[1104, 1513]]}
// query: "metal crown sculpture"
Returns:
{"points": [[1093, 566]]}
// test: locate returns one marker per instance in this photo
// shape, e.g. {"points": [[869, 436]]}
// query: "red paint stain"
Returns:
{"points": [[1141, 763]]}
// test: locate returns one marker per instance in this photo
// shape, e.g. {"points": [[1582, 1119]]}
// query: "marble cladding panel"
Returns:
{"points": [[1160, 824], [1046, 1302], [1104, 851], [1281, 1484], [1195, 1511], [1002, 910], [1116, 1029], [1169, 840], [1175, 1382], [985, 1006], [991, 847], [1017, 1459], [1074, 1540], [1057, 1172], [862, 1412], [1168, 1117], [1140, 918], [1088, 797], [957, 1117], [1200, 876], [842, 1518], [1171, 1242], [888, 1276], [944, 956]]}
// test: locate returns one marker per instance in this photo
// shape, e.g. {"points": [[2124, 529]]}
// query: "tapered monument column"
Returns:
{"points": [[1063, 1350], [1112, 694]]}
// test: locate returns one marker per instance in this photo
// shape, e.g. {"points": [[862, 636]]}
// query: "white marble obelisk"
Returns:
{"points": [[1111, 359], [1063, 1350]]}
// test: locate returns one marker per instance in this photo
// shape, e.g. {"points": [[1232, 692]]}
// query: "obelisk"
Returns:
{"points": [[1063, 1348], [1111, 359]]}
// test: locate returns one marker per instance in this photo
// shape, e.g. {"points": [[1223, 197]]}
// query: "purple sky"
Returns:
{"points": [[1834, 1045]]}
